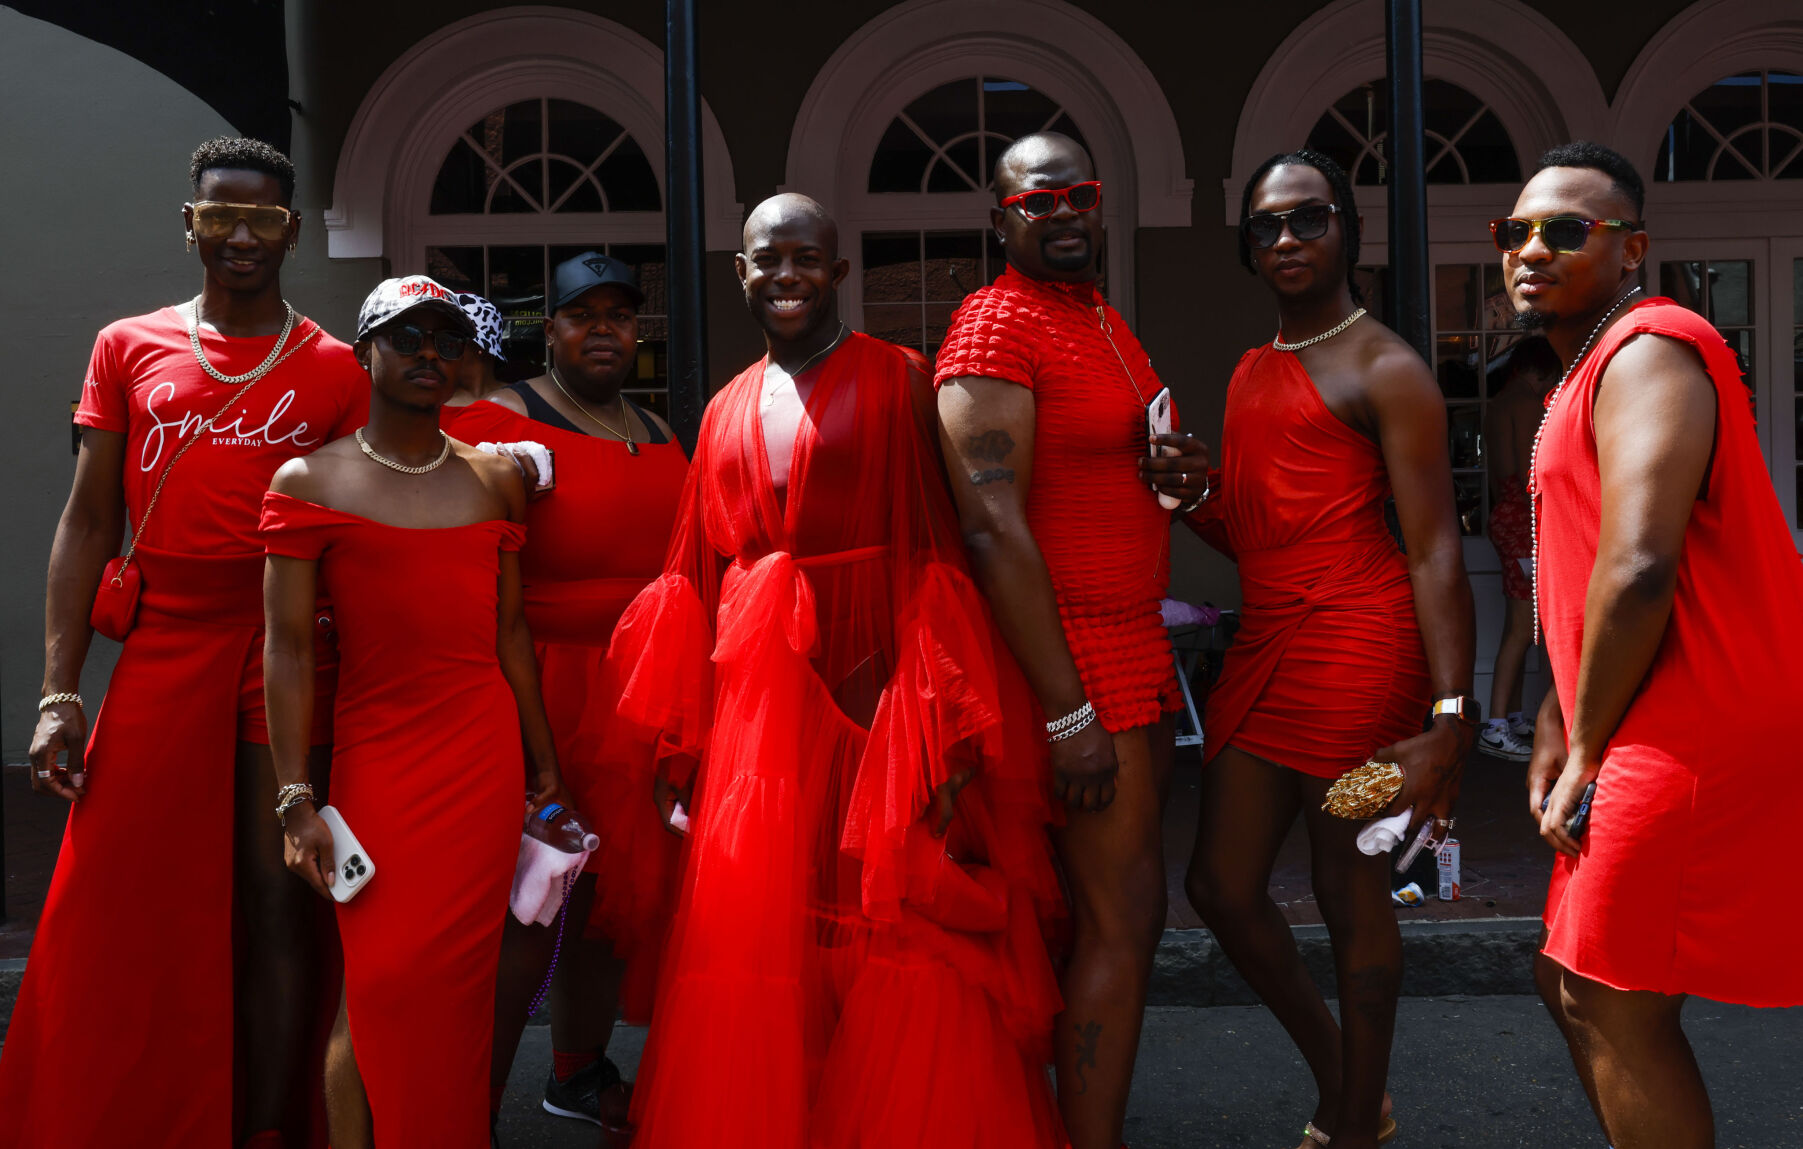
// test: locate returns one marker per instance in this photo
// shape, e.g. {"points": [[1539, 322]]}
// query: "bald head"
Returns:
{"points": [[793, 216], [1040, 153]]}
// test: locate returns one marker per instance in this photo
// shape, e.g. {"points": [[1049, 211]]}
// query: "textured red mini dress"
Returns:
{"points": [[1681, 883], [428, 771], [1105, 539], [595, 541], [1328, 664]]}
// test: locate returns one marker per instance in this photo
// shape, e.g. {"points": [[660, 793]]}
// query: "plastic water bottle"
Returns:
{"points": [[562, 828]]}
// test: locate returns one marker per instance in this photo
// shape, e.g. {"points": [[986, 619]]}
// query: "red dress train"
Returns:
{"points": [[835, 976], [1328, 664], [428, 771], [596, 540], [1677, 885]]}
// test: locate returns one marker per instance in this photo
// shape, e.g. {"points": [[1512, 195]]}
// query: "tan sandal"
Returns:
{"points": [[1313, 1138]]}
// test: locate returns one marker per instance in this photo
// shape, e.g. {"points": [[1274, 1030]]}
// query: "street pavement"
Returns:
{"points": [[1468, 1073]]}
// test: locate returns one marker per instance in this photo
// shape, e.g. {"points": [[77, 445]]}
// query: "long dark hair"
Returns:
{"points": [[1348, 209]]}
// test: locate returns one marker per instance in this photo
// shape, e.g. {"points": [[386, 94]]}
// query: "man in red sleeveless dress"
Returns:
{"points": [[858, 957], [1671, 598], [1347, 643], [1042, 402], [131, 977]]}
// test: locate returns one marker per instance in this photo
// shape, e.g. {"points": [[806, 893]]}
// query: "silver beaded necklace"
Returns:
{"points": [[1534, 451]]}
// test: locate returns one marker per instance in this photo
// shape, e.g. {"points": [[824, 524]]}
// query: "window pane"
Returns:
{"points": [[957, 170], [631, 184], [1455, 296], [564, 175], [938, 320], [462, 182], [1468, 495], [947, 112], [1456, 364], [1499, 312], [458, 268], [1796, 291], [1464, 428], [524, 192], [900, 161], [896, 322], [1374, 288], [1730, 292], [1012, 109], [579, 132], [953, 263], [892, 268], [653, 270]]}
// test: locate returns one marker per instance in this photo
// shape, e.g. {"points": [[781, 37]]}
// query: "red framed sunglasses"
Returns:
{"points": [[1042, 202]]}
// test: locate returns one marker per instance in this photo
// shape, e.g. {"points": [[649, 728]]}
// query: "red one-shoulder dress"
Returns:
{"points": [[428, 771]]}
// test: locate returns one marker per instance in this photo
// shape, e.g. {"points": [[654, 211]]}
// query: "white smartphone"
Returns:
{"points": [[355, 868], [1158, 422]]}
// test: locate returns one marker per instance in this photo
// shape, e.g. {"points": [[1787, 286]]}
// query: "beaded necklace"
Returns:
{"points": [[1534, 451]]}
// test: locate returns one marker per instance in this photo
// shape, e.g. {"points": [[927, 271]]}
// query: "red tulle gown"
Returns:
{"points": [[837, 977], [1682, 879], [1328, 664], [428, 771], [595, 542]]}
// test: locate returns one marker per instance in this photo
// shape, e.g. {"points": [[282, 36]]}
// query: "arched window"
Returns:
{"points": [[943, 145], [526, 187], [1465, 141], [1743, 127]]}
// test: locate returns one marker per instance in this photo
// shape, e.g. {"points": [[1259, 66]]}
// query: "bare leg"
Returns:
{"points": [[1247, 807], [1648, 1091], [276, 984], [1511, 657], [1114, 863], [1547, 976], [348, 1118], [1353, 890], [525, 956]]}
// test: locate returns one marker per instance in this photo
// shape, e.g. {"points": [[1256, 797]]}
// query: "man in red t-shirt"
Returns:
{"points": [[1043, 395], [235, 384]]}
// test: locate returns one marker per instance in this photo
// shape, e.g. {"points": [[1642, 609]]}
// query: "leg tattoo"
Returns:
{"points": [[1089, 1035]]}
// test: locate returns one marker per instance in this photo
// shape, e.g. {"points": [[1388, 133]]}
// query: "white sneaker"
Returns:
{"points": [[1501, 742], [1522, 727]]}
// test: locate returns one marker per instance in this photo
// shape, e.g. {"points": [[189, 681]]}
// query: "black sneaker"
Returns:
{"points": [[580, 1096]]}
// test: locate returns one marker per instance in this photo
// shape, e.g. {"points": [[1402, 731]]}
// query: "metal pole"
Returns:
{"points": [[1408, 178], [685, 258]]}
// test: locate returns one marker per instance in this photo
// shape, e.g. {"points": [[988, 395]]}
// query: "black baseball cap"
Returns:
{"points": [[589, 270]]}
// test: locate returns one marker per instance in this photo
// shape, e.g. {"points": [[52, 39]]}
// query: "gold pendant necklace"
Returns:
{"points": [[632, 448], [402, 467]]}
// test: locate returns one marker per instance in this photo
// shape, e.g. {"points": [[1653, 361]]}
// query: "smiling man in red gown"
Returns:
{"points": [[839, 975]]}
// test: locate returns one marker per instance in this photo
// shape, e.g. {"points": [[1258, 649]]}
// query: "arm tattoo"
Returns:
{"points": [[991, 445], [992, 475], [1088, 1034]]}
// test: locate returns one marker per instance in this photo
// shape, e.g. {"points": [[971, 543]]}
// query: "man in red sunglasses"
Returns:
{"points": [[173, 833], [1043, 394], [1672, 604]]}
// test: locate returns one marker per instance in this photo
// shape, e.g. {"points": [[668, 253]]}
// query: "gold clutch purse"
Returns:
{"points": [[1365, 791]]}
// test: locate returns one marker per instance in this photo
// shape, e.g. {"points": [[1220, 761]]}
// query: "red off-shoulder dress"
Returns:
{"points": [[428, 771], [1679, 886]]}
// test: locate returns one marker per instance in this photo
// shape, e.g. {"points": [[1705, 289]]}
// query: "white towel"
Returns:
{"points": [[1381, 836], [538, 880], [541, 458]]}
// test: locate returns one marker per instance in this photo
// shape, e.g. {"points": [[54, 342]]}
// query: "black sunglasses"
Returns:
{"points": [[1562, 233], [1264, 228], [408, 339]]}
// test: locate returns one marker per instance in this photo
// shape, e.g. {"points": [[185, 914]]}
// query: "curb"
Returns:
{"points": [[1473, 957]]}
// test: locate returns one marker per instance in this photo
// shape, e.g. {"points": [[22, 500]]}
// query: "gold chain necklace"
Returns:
{"points": [[1278, 344], [275, 353], [632, 448], [402, 467]]}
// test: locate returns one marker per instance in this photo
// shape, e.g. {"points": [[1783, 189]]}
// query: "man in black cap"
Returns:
{"points": [[591, 338]]}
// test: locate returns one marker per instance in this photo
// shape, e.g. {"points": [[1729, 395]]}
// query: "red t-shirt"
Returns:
{"points": [[1105, 539], [143, 381]]}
